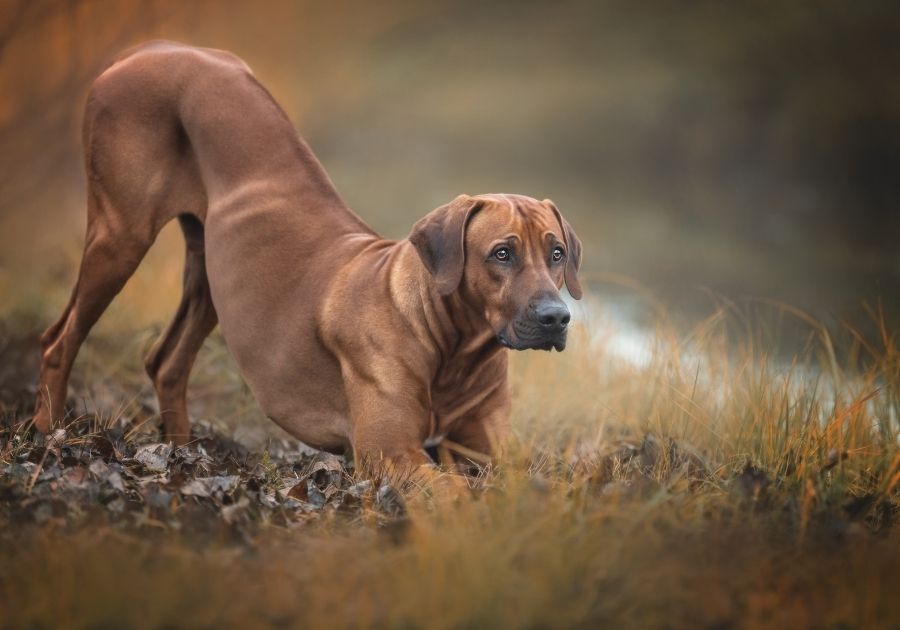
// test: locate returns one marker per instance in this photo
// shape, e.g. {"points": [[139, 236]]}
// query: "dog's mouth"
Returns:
{"points": [[524, 337]]}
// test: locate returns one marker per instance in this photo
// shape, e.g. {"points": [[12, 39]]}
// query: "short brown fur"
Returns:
{"points": [[346, 339]]}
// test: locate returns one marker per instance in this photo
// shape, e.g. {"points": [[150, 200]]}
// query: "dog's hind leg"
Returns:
{"points": [[111, 254], [169, 362]]}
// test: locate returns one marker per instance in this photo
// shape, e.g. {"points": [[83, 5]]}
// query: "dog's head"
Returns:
{"points": [[507, 256]]}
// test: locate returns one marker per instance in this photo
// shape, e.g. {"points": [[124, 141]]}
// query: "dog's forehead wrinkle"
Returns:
{"points": [[527, 227]]}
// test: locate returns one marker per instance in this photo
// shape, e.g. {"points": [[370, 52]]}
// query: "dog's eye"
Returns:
{"points": [[501, 254], [557, 254]]}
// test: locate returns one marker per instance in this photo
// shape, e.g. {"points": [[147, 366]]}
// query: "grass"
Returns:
{"points": [[721, 483]]}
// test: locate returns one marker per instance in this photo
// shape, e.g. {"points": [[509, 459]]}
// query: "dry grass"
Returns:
{"points": [[719, 484]]}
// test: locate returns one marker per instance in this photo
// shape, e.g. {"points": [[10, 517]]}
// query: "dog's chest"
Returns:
{"points": [[465, 391]]}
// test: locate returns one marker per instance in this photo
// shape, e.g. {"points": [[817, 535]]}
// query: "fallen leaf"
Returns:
{"points": [[210, 486], [360, 489], [106, 447], [154, 457], [389, 501], [76, 475]]}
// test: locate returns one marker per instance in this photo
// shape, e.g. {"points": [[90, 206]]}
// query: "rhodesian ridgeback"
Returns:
{"points": [[346, 339]]}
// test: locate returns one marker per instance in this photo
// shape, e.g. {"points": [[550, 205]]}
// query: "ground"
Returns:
{"points": [[713, 483]]}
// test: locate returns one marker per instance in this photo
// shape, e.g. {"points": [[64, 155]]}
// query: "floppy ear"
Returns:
{"points": [[573, 257], [439, 238]]}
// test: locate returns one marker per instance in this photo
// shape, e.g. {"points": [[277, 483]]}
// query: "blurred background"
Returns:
{"points": [[702, 150]]}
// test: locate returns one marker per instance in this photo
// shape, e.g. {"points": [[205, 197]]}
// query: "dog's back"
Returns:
{"points": [[165, 123]]}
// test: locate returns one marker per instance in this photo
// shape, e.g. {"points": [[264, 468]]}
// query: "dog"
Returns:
{"points": [[347, 340]]}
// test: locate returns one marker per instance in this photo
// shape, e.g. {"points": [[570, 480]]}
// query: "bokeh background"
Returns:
{"points": [[701, 149], [673, 468]]}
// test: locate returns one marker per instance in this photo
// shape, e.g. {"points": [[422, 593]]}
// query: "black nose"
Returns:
{"points": [[553, 315]]}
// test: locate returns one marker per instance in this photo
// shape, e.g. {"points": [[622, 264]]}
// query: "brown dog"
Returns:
{"points": [[346, 339]]}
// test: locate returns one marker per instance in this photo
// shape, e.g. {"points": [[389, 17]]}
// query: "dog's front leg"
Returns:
{"points": [[389, 421], [480, 435]]}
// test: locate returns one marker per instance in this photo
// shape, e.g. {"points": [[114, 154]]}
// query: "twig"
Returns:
{"points": [[51, 444], [465, 451]]}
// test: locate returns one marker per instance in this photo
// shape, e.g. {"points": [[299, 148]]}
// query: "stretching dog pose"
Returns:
{"points": [[346, 339]]}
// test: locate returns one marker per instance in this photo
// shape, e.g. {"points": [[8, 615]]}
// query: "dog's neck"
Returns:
{"points": [[460, 333], [472, 363]]}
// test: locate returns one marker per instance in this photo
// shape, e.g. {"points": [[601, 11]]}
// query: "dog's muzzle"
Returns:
{"points": [[542, 327]]}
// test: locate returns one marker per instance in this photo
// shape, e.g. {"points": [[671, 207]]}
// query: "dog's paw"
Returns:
{"points": [[441, 485]]}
